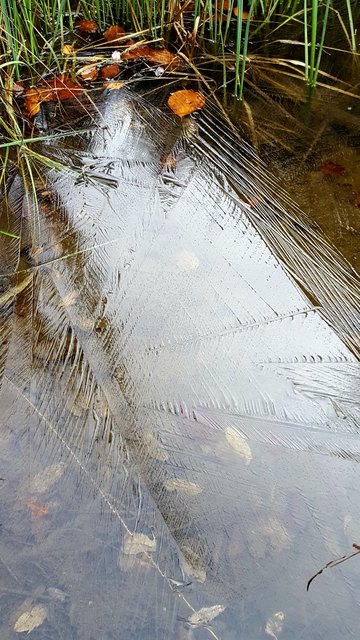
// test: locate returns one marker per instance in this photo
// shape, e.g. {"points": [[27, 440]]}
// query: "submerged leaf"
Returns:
{"points": [[238, 443], [183, 486], [31, 619], [46, 478], [36, 509], [138, 543], [330, 168], [206, 615], [274, 625], [110, 71], [186, 101]]}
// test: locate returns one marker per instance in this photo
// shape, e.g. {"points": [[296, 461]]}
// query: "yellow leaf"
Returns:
{"points": [[68, 50], [31, 619], [238, 443]]}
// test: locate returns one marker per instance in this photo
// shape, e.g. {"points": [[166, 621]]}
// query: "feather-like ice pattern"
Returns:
{"points": [[177, 325]]}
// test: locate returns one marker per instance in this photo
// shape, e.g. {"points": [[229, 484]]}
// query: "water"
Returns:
{"points": [[180, 395]]}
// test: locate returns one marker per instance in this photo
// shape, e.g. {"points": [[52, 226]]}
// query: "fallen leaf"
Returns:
{"points": [[31, 619], [59, 88], [330, 168], [205, 615], [356, 199], [110, 71], [70, 299], [274, 625], [238, 443], [89, 74], [114, 85], [187, 261], [46, 478], [36, 509], [18, 88], [183, 486], [138, 543], [158, 56], [186, 101], [88, 26], [244, 14], [57, 594], [114, 33], [68, 50]]}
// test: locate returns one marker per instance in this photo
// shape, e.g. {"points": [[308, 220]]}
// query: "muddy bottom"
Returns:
{"points": [[179, 388]]}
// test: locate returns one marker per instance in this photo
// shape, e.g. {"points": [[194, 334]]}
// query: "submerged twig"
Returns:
{"points": [[334, 563]]}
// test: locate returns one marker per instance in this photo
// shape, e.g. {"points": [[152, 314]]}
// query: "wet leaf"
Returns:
{"points": [[205, 615], [31, 619], [186, 101], [183, 486], [330, 168], [89, 74], [68, 50], [46, 478], [36, 509], [356, 199], [18, 88], [238, 443], [59, 88], [114, 85], [245, 14], [87, 26], [114, 33], [110, 71], [157, 56], [274, 624]]}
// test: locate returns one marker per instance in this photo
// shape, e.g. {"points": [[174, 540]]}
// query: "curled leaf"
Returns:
{"points": [[186, 101], [31, 619]]}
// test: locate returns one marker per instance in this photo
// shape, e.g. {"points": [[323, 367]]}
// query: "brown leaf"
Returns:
{"points": [[88, 26], [89, 74], [330, 168], [36, 509], [244, 14], [113, 33], [356, 199], [186, 101], [113, 85], [144, 51], [110, 71], [59, 88], [18, 88]]}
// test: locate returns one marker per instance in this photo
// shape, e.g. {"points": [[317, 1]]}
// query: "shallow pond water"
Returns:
{"points": [[180, 395]]}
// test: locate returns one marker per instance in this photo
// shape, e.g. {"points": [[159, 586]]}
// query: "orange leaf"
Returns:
{"points": [[114, 33], [110, 71], [89, 73], [330, 168], [36, 509], [159, 56], [31, 103], [245, 14], [186, 101], [114, 85], [88, 26], [60, 88]]}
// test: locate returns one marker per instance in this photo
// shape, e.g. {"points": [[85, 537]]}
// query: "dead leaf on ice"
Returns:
{"points": [[238, 443], [31, 619], [186, 101], [187, 261], [138, 543], [274, 624], [46, 478], [206, 615], [183, 486]]}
